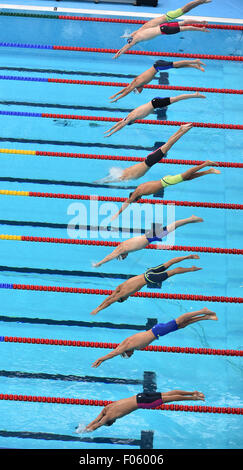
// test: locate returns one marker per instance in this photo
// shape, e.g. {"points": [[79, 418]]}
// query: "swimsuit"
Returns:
{"points": [[154, 157], [170, 180], [169, 28], [156, 233], [149, 400], [171, 15], [160, 102], [155, 276], [162, 65], [162, 329]]}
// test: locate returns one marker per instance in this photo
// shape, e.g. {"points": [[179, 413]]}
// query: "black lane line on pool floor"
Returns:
{"points": [[74, 144], [149, 382], [10, 179], [67, 438], [64, 272], [70, 378], [72, 72], [65, 106], [48, 321], [72, 227]]}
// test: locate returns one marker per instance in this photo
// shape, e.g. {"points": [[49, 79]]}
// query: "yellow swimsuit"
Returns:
{"points": [[171, 15], [171, 179]]}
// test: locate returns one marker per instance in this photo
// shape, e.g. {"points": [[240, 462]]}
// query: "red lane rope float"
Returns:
{"points": [[96, 344], [73, 241], [152, 87], [107, 20], [87, 402], [174, 161], [150, 53], [151, 295], [82, 197], [127, 21]]}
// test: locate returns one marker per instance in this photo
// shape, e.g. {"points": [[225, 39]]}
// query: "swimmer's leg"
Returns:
{"points": [[194, 172], [193, 317], [195, 63], [178, 260], [175, 99], [181, 222], [189, 6], [175, 137], [180, 395]]}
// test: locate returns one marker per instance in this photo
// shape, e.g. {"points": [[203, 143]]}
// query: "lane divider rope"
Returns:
{"points": [[110, 119], [87, 402], [114, 51], [73, 241], [96, 344], [151, 295], [119, 84], [173, 161], [108, 20], [82, 197]]}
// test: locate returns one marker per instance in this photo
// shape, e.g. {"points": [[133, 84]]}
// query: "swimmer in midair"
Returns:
{"points": [[153, 278], [153, 187], [140, 169], [148, 108], [162, 25], [145, 400], [156, 233], [141, 340], [138, 83]]}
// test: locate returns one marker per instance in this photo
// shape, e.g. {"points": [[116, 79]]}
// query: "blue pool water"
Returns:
{"points": [[66, 371]]}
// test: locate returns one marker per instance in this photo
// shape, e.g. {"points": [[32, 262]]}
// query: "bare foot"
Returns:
{"points": [[199, 95], [211, 163], [206, 311], [212, 316], [198, 396], [193, 257], [195, 268], [213, 170], [194, 218], [186, 127]]}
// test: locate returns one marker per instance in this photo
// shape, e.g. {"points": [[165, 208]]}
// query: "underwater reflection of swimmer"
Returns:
{"points": [[148, 108], [153, 278], [141, 340], [146, 400], [153, 187], [140, 169], [138, 83], [156, 233]]}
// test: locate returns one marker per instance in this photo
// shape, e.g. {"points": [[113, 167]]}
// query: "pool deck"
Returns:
{"points": [[220, 10]]}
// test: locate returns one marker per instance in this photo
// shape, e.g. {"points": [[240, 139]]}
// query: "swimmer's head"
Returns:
{"points": [[122, 299], [127, 354]]}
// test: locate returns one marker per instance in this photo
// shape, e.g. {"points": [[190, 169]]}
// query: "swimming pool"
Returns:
{"points": [[61, 371]]}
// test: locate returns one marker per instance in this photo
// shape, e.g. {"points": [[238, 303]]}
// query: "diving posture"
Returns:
{"points": [[148, 108], [147, 400], [162, 25], [141, 340], [156, 233], [146, 77], [153, 278], [153, 187], [140, 169]]}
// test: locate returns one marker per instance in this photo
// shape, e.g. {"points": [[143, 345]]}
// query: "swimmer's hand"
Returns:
{"points": [[94, 312], [98, 362]]}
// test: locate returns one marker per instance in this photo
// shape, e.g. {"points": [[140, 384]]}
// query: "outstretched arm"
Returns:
{"points": [[107, 302], [132, 198], [121, 348]]}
